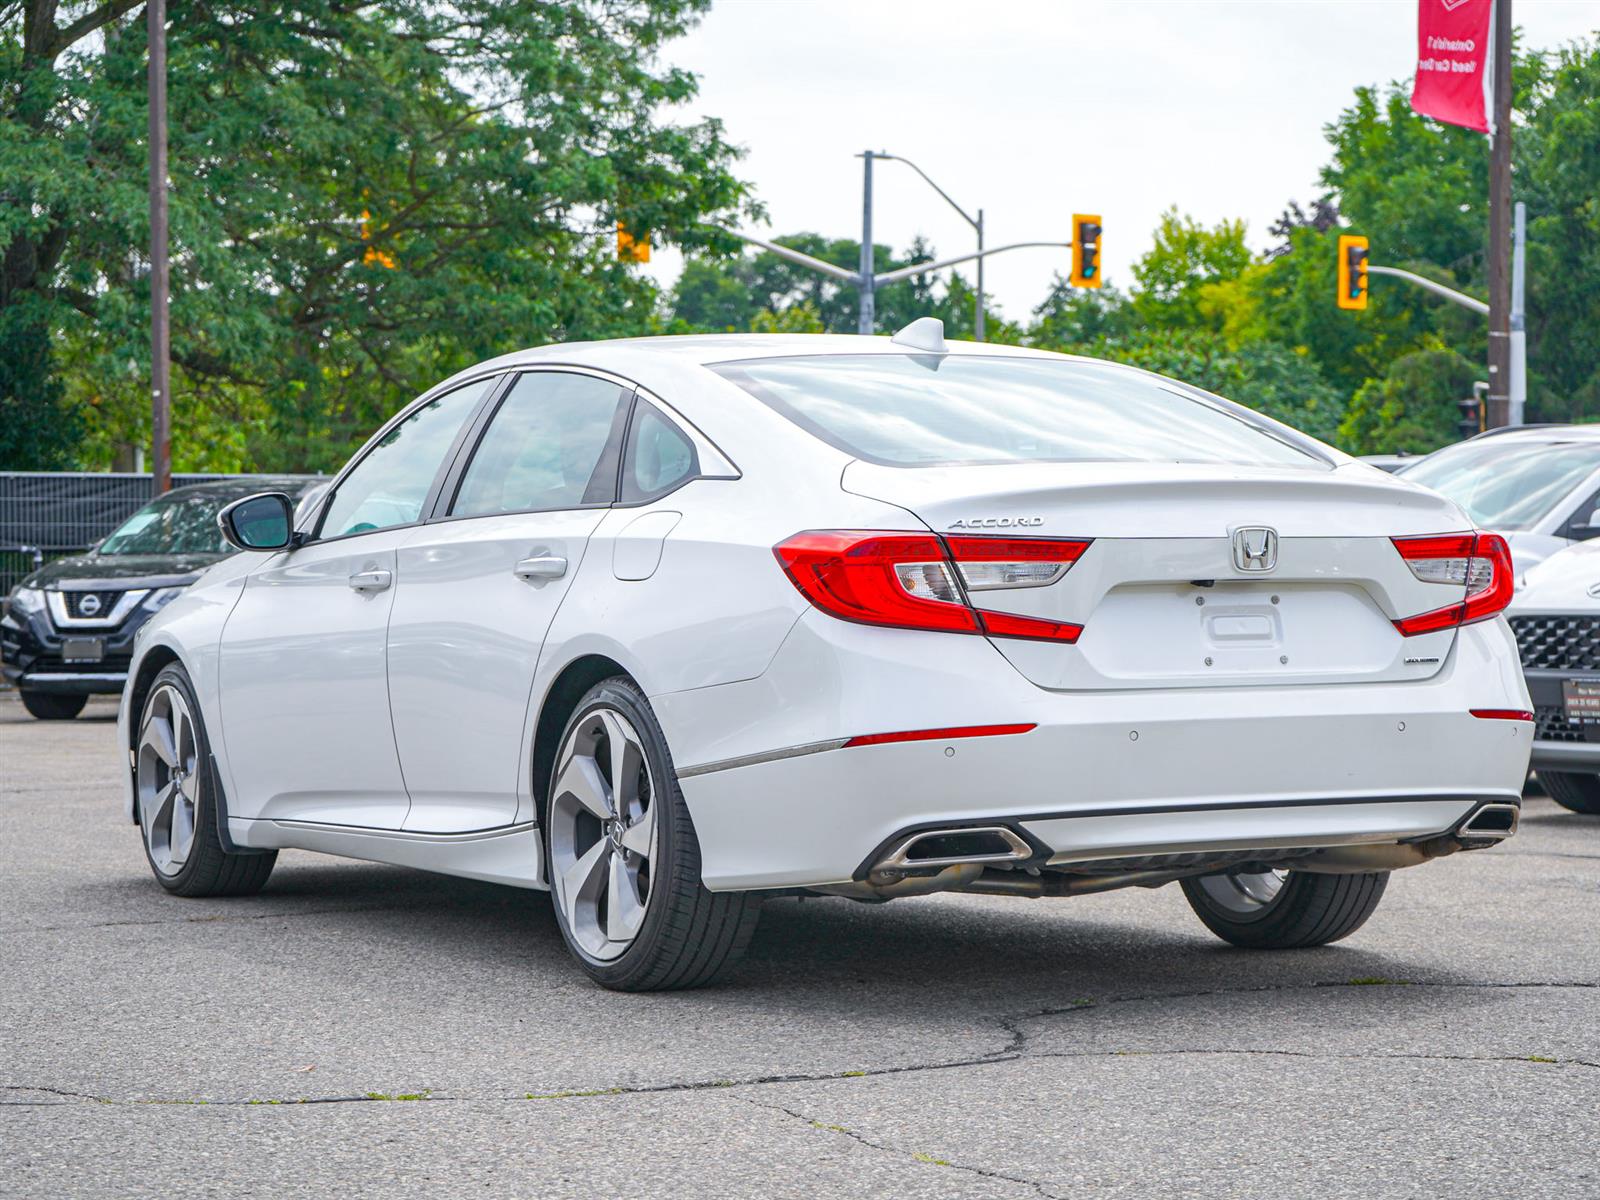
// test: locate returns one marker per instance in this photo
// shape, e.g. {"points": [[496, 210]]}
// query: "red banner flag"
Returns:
{"points": [[1453, 43]]}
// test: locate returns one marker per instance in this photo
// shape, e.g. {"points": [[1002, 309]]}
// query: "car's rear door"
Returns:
{"points": [[305, 700], [480, 585]]}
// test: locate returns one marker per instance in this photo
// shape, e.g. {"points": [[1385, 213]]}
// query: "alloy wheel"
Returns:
{"points": [[602, 833], [1244, 893], [168, 779]]}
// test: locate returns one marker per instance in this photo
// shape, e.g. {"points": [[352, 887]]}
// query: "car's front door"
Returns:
{"points": [[305, 698], [480, 586]]}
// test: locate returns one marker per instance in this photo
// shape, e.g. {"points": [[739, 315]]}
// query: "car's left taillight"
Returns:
{"points": [[921, 581], [1478, 562]]}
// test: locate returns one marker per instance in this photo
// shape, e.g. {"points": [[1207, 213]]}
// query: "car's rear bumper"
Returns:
{"points": [[1100, 776]]}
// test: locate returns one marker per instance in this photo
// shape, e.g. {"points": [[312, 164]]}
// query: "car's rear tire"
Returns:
{"points": [[1578, 791], [49, 706], [175, 790], [1284, 910], [622, 856]]}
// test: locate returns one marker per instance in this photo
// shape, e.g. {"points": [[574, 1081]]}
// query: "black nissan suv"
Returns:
{"points": [[66, 631]]}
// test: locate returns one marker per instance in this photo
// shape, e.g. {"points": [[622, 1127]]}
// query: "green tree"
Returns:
{"points": [[1412, 408], [1184, 259], [365, 197]]}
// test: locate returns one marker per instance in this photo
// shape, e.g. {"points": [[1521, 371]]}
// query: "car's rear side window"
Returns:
{"points": [[920, 410], [552, 445]]}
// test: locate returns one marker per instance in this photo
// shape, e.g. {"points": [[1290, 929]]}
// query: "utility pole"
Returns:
{"points": [[1518, 389], [160, 345], [1499, 412], [865, 319]]}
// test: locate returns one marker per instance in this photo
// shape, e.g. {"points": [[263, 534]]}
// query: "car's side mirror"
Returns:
{"points": [[261, 522]]}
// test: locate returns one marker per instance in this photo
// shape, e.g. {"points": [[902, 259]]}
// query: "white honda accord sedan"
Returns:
{"points": [[670, 625]]}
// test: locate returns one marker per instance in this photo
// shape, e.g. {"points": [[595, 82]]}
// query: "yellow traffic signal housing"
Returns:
{"points": [[1352, 271], [632, 247], [1085, 250]]}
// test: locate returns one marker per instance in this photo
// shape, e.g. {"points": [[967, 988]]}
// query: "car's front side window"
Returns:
{"points": [[390, 485], [551, 445]]}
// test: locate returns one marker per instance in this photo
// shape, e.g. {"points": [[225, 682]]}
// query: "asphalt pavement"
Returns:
{"points": [[363, 1030]]}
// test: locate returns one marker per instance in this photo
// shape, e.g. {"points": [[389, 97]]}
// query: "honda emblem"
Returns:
{"points": [[1255, 548]]}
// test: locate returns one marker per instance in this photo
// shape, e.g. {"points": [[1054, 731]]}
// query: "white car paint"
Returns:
{"points": [[403, 724]]}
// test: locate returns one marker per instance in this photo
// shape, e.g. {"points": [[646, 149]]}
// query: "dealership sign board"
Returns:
{"points": [[1453, 83]]}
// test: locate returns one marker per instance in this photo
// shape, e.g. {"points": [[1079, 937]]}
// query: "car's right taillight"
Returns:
{"points": [[1479, 562], [920, 581]]}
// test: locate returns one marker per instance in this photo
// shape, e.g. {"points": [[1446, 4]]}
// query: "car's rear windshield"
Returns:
{"points": [[1507, 485], [178, 523], [909, 410]]}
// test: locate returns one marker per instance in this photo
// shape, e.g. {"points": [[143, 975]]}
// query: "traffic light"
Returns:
{"points": [[1085, 250], [632, 247], [1352, 271], [1471, 422]]}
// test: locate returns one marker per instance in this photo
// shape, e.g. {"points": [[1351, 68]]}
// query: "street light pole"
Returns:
{"points": [[160, 343], [975, 222], [866, 316]]}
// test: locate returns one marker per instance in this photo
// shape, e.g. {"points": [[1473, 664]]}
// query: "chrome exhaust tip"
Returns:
{"points": [[949, 847], [1494, 821]]}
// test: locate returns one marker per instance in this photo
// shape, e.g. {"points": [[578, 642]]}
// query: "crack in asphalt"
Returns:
{"points": [[915, 1156], [207, 919], [1014, 1049]]}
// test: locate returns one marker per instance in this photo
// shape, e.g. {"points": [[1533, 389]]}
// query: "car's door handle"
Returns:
{"points": [[371, 581], [541, 566]]}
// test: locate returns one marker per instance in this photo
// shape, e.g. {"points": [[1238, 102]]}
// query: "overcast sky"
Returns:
{"points": [[1035, 109]]}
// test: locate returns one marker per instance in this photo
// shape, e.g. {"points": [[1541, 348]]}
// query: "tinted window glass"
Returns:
{"points": [[915, 410], [178, 523], [388, 486], [551, 445], [659, 456], [1507, 485]]}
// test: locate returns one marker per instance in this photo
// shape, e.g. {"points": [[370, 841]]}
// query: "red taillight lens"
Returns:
{"points": [[909, 580], [1478, 562]]}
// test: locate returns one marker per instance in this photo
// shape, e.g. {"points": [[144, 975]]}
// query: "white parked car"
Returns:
{"points": [[1556, 620], [1538, 485], [669, 625]]}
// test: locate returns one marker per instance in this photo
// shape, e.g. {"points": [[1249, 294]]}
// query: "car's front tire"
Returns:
{"points": [[1284, 910], [1576, 791], [175, 781], [49, 706], [623, 859]]}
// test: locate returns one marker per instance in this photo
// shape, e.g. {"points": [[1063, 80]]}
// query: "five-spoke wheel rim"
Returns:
{"points": [[168, 779], [1245, 893], [602, 833]]}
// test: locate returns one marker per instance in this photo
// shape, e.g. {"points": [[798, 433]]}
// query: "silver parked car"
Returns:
{"points": [[1536, 485]]}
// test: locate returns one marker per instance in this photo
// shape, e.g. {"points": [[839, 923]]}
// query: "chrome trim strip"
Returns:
{"points": [[85, 677], [748, 760], [56, 600]]}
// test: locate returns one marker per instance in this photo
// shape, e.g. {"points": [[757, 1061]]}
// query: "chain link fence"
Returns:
{"points": [[48, 514]]}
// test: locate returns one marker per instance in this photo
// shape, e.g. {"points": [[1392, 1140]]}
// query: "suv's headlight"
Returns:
{"points": [[25, 600], [161, 597]]}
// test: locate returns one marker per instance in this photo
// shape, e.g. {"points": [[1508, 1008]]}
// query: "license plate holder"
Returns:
{"points": [[1581, 698], [93, 650]]}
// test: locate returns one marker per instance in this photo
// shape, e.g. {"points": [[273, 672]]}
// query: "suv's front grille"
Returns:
{"points": [[1558, 643], [99, 609], [1551, 725]]}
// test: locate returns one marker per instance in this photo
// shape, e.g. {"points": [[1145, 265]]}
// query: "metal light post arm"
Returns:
{"points": [[970, 220], [805, 260], [1438, 289], [919, 268], [976, 223]]}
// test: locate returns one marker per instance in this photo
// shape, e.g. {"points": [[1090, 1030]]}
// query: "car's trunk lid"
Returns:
{"points": [[1165, 600]]}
